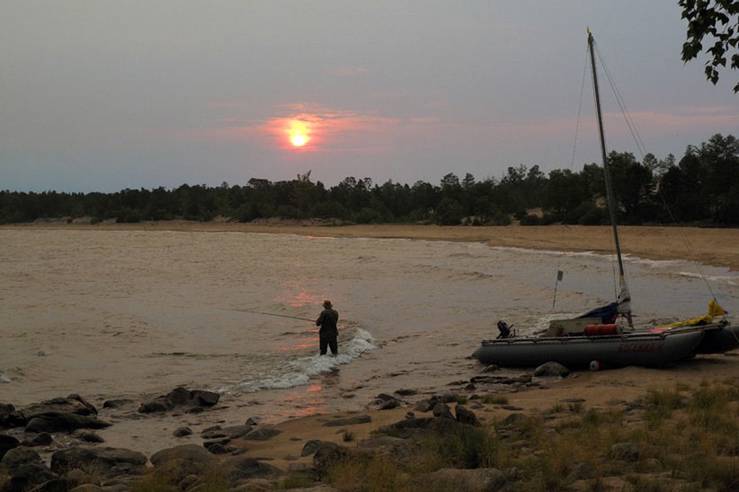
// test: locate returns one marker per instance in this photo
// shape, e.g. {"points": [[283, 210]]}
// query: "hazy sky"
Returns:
{"points": [[102, 95]]}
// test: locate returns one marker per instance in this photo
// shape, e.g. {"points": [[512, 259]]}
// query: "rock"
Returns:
{"points": [[181, 461], [356, 420], [406, 392], [63, 422], [88, 436], [18, 456], [255, 485], [106, 461], [27, 475], [551, 369], [446, 397], [187, 452], [626, 451], [7, 443], [310, 447], [262, 433], [425, 405], [242, 468], [465, 416], [204, 398], [327, 455], [476, 480], [383, 401], [182, 432], [253, 421], [42, 439], [73, 404], [180, 397], [10, 417], [217, 447], [236, 431], [442, 410], [117, 403], [53, 485]]}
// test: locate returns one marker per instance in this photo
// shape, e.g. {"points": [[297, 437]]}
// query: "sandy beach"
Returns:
{"points": [[712, 246]]}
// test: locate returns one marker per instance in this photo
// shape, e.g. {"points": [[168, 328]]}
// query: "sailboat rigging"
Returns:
{"points": [[594, 338]]}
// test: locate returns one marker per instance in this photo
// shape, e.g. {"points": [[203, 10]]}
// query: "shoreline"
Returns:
{"points": [[716, 247]]}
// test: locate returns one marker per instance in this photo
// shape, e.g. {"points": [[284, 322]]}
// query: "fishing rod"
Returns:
{"points": [[273, 314]]}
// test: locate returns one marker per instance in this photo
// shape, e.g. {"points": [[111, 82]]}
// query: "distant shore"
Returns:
{"points": [[718, 247]]}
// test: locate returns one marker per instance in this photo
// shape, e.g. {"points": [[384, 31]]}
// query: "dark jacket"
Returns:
{"points": [[327, 321]]}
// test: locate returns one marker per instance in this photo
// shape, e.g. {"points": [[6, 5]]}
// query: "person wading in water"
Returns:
{"points": [[328, 333]]}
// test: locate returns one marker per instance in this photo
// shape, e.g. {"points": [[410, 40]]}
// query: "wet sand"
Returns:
{"points": [[712, 246]]}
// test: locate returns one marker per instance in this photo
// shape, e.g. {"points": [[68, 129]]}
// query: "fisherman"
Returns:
{"points": [[328, 333]]}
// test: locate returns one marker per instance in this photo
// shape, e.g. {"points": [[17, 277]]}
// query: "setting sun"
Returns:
{"points": [[298, 133]]}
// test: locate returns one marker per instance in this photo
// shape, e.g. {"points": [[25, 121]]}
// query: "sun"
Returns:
{"points": [[299, 133]]}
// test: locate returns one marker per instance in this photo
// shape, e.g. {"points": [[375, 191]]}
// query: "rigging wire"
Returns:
{"points": [[641, 149], [579, 109]]}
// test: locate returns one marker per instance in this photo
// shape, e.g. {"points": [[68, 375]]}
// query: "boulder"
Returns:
{"points": [[7, 443], [191, 453], [262, 433], [465, 416], [73, 404], [180, 397], [217, 447], [10, 417], [241, 468], [182, 432], [18, 456], [42, 439], [355, 420], [117, 403], [28, 475], [53, 485], [310, 447], [63, 422], [425, 405], [406, 392], [88, 436], [181, 461], [475, 480], [626, 451], [383, 401], [106, 461], [327, 455], [442, 410], [551, 369]]}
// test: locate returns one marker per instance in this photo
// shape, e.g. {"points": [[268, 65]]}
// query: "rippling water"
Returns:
{"points": [[122, 313]]}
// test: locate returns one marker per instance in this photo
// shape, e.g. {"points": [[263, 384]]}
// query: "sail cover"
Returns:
{"points": [[607, 313]]}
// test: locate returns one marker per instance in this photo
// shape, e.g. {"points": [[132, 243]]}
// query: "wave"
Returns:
{"points": [[4, 378], [301, 370], [592, 254]]}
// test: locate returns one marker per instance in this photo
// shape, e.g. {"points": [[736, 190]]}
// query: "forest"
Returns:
{"points": [[701, 188]]}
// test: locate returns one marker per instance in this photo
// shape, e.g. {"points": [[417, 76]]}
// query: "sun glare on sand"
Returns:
{"points": [[298, 133]]}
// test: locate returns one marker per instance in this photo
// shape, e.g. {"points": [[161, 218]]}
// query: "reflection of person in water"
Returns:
{"points": [[328, 334]]}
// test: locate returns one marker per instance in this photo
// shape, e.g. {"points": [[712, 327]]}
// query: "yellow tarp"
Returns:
{"points": [[714, 310]]}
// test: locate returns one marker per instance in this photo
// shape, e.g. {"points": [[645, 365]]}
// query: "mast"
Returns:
{"points": [[624, 297]]}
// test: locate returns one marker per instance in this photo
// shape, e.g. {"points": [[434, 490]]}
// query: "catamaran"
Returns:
{"points": [[595, 339]]}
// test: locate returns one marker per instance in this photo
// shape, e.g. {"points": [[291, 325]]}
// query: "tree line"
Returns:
{"points": [[701, 188]]}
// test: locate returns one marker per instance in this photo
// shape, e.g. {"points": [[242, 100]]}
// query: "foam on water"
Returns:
{"points": [[300, 371]]}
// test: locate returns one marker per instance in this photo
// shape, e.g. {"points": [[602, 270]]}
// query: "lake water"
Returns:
{"points": [[111, 314]]}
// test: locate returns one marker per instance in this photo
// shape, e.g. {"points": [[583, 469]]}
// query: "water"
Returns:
{"points": [[113, 314]]}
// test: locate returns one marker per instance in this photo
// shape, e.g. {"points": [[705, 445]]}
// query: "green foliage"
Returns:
{"points": [[702, 187], [715, 23]]}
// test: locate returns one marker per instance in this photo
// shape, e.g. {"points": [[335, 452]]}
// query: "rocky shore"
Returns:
{"points": [[544, 430]]}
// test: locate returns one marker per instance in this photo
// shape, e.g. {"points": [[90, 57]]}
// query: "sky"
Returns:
{"points": [[101, 95]]}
